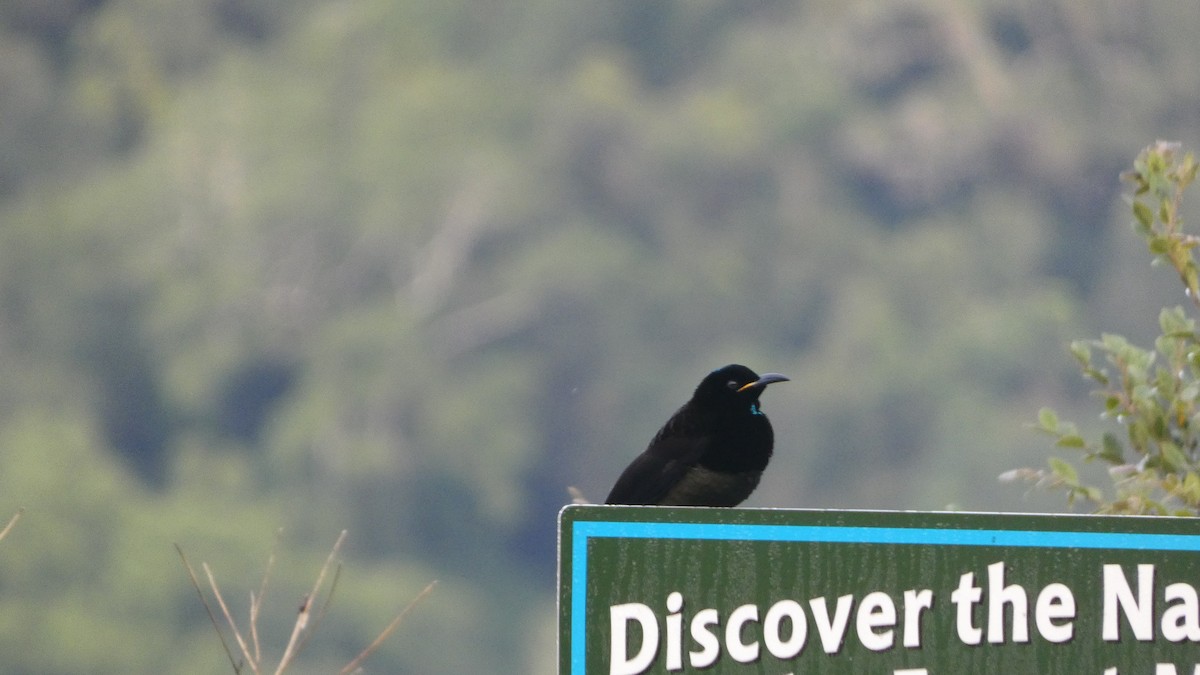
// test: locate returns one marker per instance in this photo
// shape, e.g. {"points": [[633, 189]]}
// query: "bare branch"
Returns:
{"points": [[316, 620], [237, 634], [257, 600], [293, 646], [11, 521], [211, 617], [350, 667]]}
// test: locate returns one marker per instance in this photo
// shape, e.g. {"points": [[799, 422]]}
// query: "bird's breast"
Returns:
{"points": [[702, 486], [742, 447]]}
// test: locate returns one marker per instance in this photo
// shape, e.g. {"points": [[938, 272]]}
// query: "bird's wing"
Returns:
{"points": [[651, 475]]}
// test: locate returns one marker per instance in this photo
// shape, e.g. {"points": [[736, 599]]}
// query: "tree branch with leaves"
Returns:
{"points": [[1151, 395]]}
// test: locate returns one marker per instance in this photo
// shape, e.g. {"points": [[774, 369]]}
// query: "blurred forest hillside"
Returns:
{"points": [[411, 269]]}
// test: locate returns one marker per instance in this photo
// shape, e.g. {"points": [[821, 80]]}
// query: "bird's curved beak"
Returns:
{"points": [[763, 381]]}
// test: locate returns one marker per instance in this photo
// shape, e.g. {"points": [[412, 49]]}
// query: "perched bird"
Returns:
{"points": [[711, 452]]}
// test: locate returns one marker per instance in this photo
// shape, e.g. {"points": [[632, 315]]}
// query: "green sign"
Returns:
{"points": [[786, 592]]}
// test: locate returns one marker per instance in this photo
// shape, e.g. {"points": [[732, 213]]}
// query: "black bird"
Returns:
{"points": [[711, 452]]}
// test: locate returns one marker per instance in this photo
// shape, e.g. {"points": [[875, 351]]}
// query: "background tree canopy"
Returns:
{"points": [[411, 269]]}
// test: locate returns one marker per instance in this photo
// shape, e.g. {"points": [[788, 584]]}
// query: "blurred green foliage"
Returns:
{"points": [[1153, 395], [411, 269]]}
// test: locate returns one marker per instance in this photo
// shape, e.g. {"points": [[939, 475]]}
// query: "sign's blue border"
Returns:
{"points": [[583, 531]]}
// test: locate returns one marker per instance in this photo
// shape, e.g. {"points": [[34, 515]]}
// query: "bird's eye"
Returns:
{"points": [[732, 384]]}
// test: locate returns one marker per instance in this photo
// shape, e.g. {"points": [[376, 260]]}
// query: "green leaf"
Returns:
{"points": [[1187, 171], [1163, 381], [1071, 441], [1138, 436], [1082, 352], [1111, 450], [1154, 160], [1173, 322], [1191, 487], [1159, 245], [1064, 470], [1173, 456], [1048, 420], [1144, 216], [1191, 278], [1098, 375], [1113, 342], [1143, 395]]}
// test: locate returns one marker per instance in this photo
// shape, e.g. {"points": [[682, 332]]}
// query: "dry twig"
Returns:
{"points": [[350, 667], [11, 521], [257, 600], [237, 634], [295, 644], [211, 617], [306, 621]]}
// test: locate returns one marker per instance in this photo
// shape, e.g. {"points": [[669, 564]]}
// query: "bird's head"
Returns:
{"points": [[735, 385]]}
